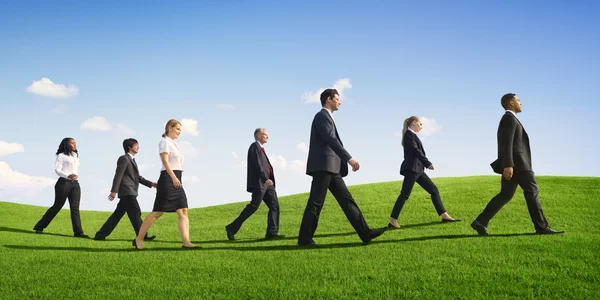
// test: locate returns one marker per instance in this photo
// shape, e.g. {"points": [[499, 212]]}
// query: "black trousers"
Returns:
{"points": [[64, 189], [269, 196], [526, 180], [407, 185], [129, 205], [318, 190]]}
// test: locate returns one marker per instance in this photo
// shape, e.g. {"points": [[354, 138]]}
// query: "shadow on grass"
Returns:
{"points": [[19, 230], [268, 248]]}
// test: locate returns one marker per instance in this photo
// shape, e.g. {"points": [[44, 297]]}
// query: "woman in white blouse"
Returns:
{"points": [[170, 196], [67, 187]]}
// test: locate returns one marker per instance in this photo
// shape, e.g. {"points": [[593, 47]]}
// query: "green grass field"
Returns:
{"points": [[426, 259]]}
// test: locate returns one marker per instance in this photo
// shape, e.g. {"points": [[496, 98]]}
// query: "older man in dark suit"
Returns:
{"points": [[328, 164], [514, 163], [260, 182], [126, 182]]}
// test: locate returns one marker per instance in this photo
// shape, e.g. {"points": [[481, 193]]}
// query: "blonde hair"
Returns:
{"points": [[407, 123], [170, 124]]}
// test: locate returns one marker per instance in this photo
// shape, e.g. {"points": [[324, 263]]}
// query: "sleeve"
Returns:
{"points": [[163, 146], [326, 130], [145, 182], [414, 148], [253, 154], [508, 127], [121, 166], [58, 167]]}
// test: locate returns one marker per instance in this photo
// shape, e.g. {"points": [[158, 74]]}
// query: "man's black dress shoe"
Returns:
{"points": [[309, 245], [373, 234], [274, 236], [99, 238], [38, 231], [549, 230], [479, 228], [81, 235], [230, 235], [149, 238]]}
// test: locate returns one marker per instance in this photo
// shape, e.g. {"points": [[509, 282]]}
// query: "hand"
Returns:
{"points": [[269, 182], [73, 176], [176, 182], [354, 163], [154, 184], [112, 196], [430, 167], [508, 173]]}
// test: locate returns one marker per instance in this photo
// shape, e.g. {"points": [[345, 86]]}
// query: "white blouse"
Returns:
{"points": [[174, 157], [66, 164]]}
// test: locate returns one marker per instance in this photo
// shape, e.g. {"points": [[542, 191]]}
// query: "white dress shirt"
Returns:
{"points": [[66, 165], [175, 157], [330, 113]]}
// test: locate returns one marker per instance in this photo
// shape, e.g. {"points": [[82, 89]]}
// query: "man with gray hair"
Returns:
{"points": [[261, 183]]}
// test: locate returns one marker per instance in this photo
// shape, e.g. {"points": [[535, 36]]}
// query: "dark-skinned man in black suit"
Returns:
{"points": [[514, 163]]}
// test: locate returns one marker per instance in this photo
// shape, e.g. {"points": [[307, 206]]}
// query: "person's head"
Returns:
{"points": [[330, 99], [172, 129], [261, 135], [412, 122], [510, 101], [67, 146], [131, 146]]}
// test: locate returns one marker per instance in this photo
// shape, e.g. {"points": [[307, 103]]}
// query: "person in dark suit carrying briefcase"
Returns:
{"points": [[125, 183], [514, 163]]}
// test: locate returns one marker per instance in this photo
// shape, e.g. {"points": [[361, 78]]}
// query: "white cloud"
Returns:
{"points": [[234, 155], [298, 166], [45, 87], [226, 106], [17, 181], [7, 148], [430, 126], [189, 126], [188, 149], [339, 85], [278, 161], [302, 147], [96, 123], [122, 129]]}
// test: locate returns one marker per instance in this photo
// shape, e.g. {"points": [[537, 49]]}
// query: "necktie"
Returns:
{"points": [[134, 163], [265, 152]]}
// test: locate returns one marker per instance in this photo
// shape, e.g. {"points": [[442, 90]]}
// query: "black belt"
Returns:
{"points": [[68, 180]]}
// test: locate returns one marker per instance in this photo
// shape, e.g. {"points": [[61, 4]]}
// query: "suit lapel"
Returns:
{"points": [[334, 126], [260, 148], [135, 168]]}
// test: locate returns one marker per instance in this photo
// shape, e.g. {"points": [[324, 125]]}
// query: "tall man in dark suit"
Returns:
{"points": [[126, 182], [514, 163], [261, 183], [328, 164]]}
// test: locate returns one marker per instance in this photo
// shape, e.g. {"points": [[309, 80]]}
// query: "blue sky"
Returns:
{"points": [[231, 66]]}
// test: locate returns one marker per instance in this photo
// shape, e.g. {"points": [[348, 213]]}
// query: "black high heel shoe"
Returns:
{"points": [[134, 243]]}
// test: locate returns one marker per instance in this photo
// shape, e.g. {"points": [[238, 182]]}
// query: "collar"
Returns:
{"points": [[512, 112], [411, 130], [330, 113], [130, 155], [261, 145]]}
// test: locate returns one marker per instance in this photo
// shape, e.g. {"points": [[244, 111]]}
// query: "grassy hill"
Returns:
{"points": [[424, 260]]}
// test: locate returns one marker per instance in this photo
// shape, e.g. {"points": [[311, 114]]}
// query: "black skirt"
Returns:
{"points": [[169, 198]]}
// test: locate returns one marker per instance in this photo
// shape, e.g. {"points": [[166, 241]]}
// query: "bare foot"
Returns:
{"points": [[394, 223], [188, 245]]}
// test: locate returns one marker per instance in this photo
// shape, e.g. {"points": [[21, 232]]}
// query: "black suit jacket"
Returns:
{"points": [[326, 151], [127, 178], [414, 155], [513, 146], [259, 169]]}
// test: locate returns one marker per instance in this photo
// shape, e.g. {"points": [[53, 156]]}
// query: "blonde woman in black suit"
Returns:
{"points": [[413, 169]]}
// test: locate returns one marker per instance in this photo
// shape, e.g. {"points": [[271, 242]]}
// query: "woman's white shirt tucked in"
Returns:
{"points": [[66, 165], [175, 157]]}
